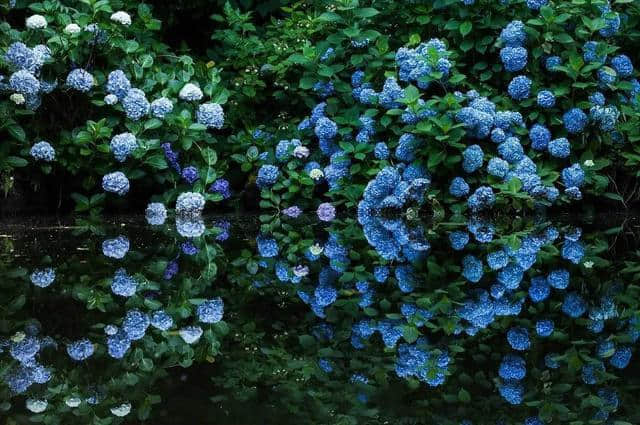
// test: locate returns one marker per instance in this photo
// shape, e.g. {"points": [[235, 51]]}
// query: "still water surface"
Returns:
{"points": [[224, 320]]}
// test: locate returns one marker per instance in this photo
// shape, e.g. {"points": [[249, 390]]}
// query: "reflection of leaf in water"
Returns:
{"points": [[211, 268]]}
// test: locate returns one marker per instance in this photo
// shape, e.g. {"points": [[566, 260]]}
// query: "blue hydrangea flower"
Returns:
{"points": [[267, 175], [472, 268], [575, 120], [25, 349], [573, 305], [520, 88], [24, 82], [156, 214], [498, 135], [591, 373], [606, 76], [621, 357], [118, 84], [325, 129], [559, 148], [80, 80], [210, 115], [512, 391], [190, 334], [190, 174], [544, 328], [472, 158], [459, 188], [381, 151], [539, 289], [43, 151], [267, 247], [546, 99], [118, 344], [161, 320], [43, 277], [511, 150], [324, 89], [161, 107], [381, 273], [513, 58], [135, 104], [326, 212], [612, 22], [115, 248], [221, 187], [518, 338], [513, 34], [391, 92], [482, 199], [115, 182], [573, 176], [512, 367], [122, 145], [80, 350], [21, 57], [497, 260], [552, 62], [123, 284], [536, 5], [407, 144], [458, 240], [135, 324], [171, 156], [540, 137], [210, 311], [171, 270], [622, 65], [498, 167], [190, 204], [590, 52], [572, 251]]}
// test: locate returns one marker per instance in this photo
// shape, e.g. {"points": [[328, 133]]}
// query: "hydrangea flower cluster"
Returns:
{"points": [[385, 200]]}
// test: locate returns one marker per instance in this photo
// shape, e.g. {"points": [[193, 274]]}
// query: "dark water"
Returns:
{"points": [[449, 335]]}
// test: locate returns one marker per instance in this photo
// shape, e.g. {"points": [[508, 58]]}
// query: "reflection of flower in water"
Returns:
{"points": [[116, 248], [43, 277], [121, 410], [190, 227], [385, 200], [191, 334]]}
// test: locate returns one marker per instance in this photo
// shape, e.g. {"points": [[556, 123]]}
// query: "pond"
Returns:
{"points": [[208, 320]]}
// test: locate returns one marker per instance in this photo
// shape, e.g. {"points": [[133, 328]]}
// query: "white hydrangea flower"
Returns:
{"points": [[316, 249], [588, 264], [36, 22], [111, 99], [73, 402], [37, 406], [17, 98], [316, 174], [72, 29], [589, 163], [122, 410], [190, 92], [301, 152], [121, 17]]}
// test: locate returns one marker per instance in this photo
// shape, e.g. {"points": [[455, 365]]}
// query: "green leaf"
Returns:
{"points": [[410, 334], [366, 12], [465, 28], [464, 396], [15, 161]]}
